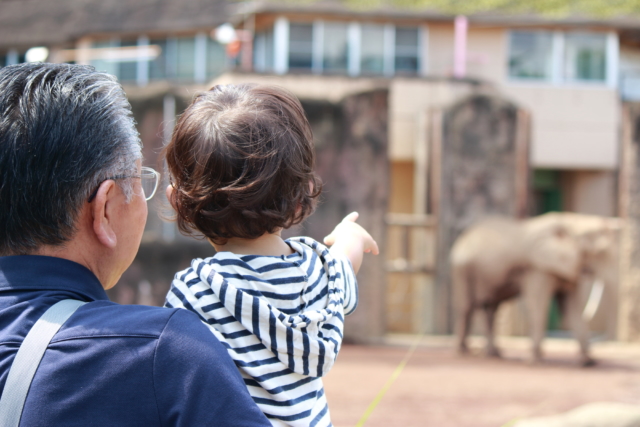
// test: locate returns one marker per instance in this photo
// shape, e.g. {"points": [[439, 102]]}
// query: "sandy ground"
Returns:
{"points": [[440, 389]]}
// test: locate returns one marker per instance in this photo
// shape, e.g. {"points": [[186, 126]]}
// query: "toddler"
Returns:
{"points": [[241, 165]]}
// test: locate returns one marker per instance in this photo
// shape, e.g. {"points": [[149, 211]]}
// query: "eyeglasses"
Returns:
{"points": [[149, 178]]}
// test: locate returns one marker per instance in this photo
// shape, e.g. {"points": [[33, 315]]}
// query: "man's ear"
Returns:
{"points": [[102, 214], [169, 193]]}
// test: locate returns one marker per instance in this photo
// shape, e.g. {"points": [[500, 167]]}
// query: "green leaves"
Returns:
{"points": [[548, 8]]}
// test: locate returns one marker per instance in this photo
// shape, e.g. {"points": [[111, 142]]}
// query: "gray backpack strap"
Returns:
{"points": [[28, 358]]}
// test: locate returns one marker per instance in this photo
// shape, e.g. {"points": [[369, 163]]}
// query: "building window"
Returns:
{"points": [[12, 57], [158, 65], [185, 56], [102, 61], [407, 46], [338, 48], [531, 55], [128, 65], [300, 46], [564, 57], [335, 51], [372, 49], [216, 59], [263, 51], [158, 59], [585, 57]]}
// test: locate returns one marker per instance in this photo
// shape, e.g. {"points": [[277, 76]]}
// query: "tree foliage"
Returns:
{"points": [[549, 8]]}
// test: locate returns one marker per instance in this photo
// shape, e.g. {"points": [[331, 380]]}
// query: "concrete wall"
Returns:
{"points": [[590, 192], [574, 127], [440, 54], [409, 98], [486, 52]]}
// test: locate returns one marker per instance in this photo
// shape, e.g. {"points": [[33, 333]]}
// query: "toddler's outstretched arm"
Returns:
{"points": [[351, 240]]}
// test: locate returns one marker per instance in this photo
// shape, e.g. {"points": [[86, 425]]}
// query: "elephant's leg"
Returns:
{"points": [[490, 313], [463, 307], [573, 309], [463, 324], [538, 289]]}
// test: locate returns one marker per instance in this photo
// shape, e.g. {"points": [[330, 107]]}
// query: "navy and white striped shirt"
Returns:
{"points": [[281, 319]]}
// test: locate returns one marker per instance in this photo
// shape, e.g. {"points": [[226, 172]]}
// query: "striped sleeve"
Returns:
{"points": [[349, 283]]}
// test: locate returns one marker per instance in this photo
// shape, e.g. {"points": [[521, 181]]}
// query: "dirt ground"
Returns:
{"points": [[440, 389]]}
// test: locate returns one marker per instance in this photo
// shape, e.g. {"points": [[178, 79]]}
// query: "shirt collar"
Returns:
{"points": [[39, 273]]}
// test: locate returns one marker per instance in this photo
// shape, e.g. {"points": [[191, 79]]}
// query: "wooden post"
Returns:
{"points": [[421, 162], [629, 199], [441, 293]]}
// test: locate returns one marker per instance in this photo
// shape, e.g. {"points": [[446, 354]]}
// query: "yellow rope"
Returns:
{"points": [[394, 376]]}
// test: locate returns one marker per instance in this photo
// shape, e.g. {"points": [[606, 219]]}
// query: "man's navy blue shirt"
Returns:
{"points": [[116, 365]]}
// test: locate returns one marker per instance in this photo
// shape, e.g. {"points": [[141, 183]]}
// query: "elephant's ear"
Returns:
{"points": [[600, 244], [555, 251]]}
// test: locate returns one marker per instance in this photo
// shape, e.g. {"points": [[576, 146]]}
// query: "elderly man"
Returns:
{"points": [[72, 213]]}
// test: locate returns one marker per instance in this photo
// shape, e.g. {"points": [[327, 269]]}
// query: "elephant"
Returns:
{"points": [[552, 254]]}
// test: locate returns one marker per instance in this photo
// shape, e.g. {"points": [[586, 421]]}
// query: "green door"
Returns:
{"points": [[547, 191]]}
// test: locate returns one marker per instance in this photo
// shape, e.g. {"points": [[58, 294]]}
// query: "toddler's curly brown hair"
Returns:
{"points": [[241, 163]]}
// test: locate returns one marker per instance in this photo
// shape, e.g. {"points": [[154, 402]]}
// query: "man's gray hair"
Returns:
{"points": [[64, 129]]}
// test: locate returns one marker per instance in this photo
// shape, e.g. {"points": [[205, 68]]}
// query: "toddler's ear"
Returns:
{"points": [[170, 198]]}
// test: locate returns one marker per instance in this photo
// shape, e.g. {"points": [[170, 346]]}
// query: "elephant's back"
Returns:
{"points": [[489, 242]]}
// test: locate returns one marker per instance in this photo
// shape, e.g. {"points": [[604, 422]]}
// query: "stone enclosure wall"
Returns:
{"points": [[479, 168]]}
